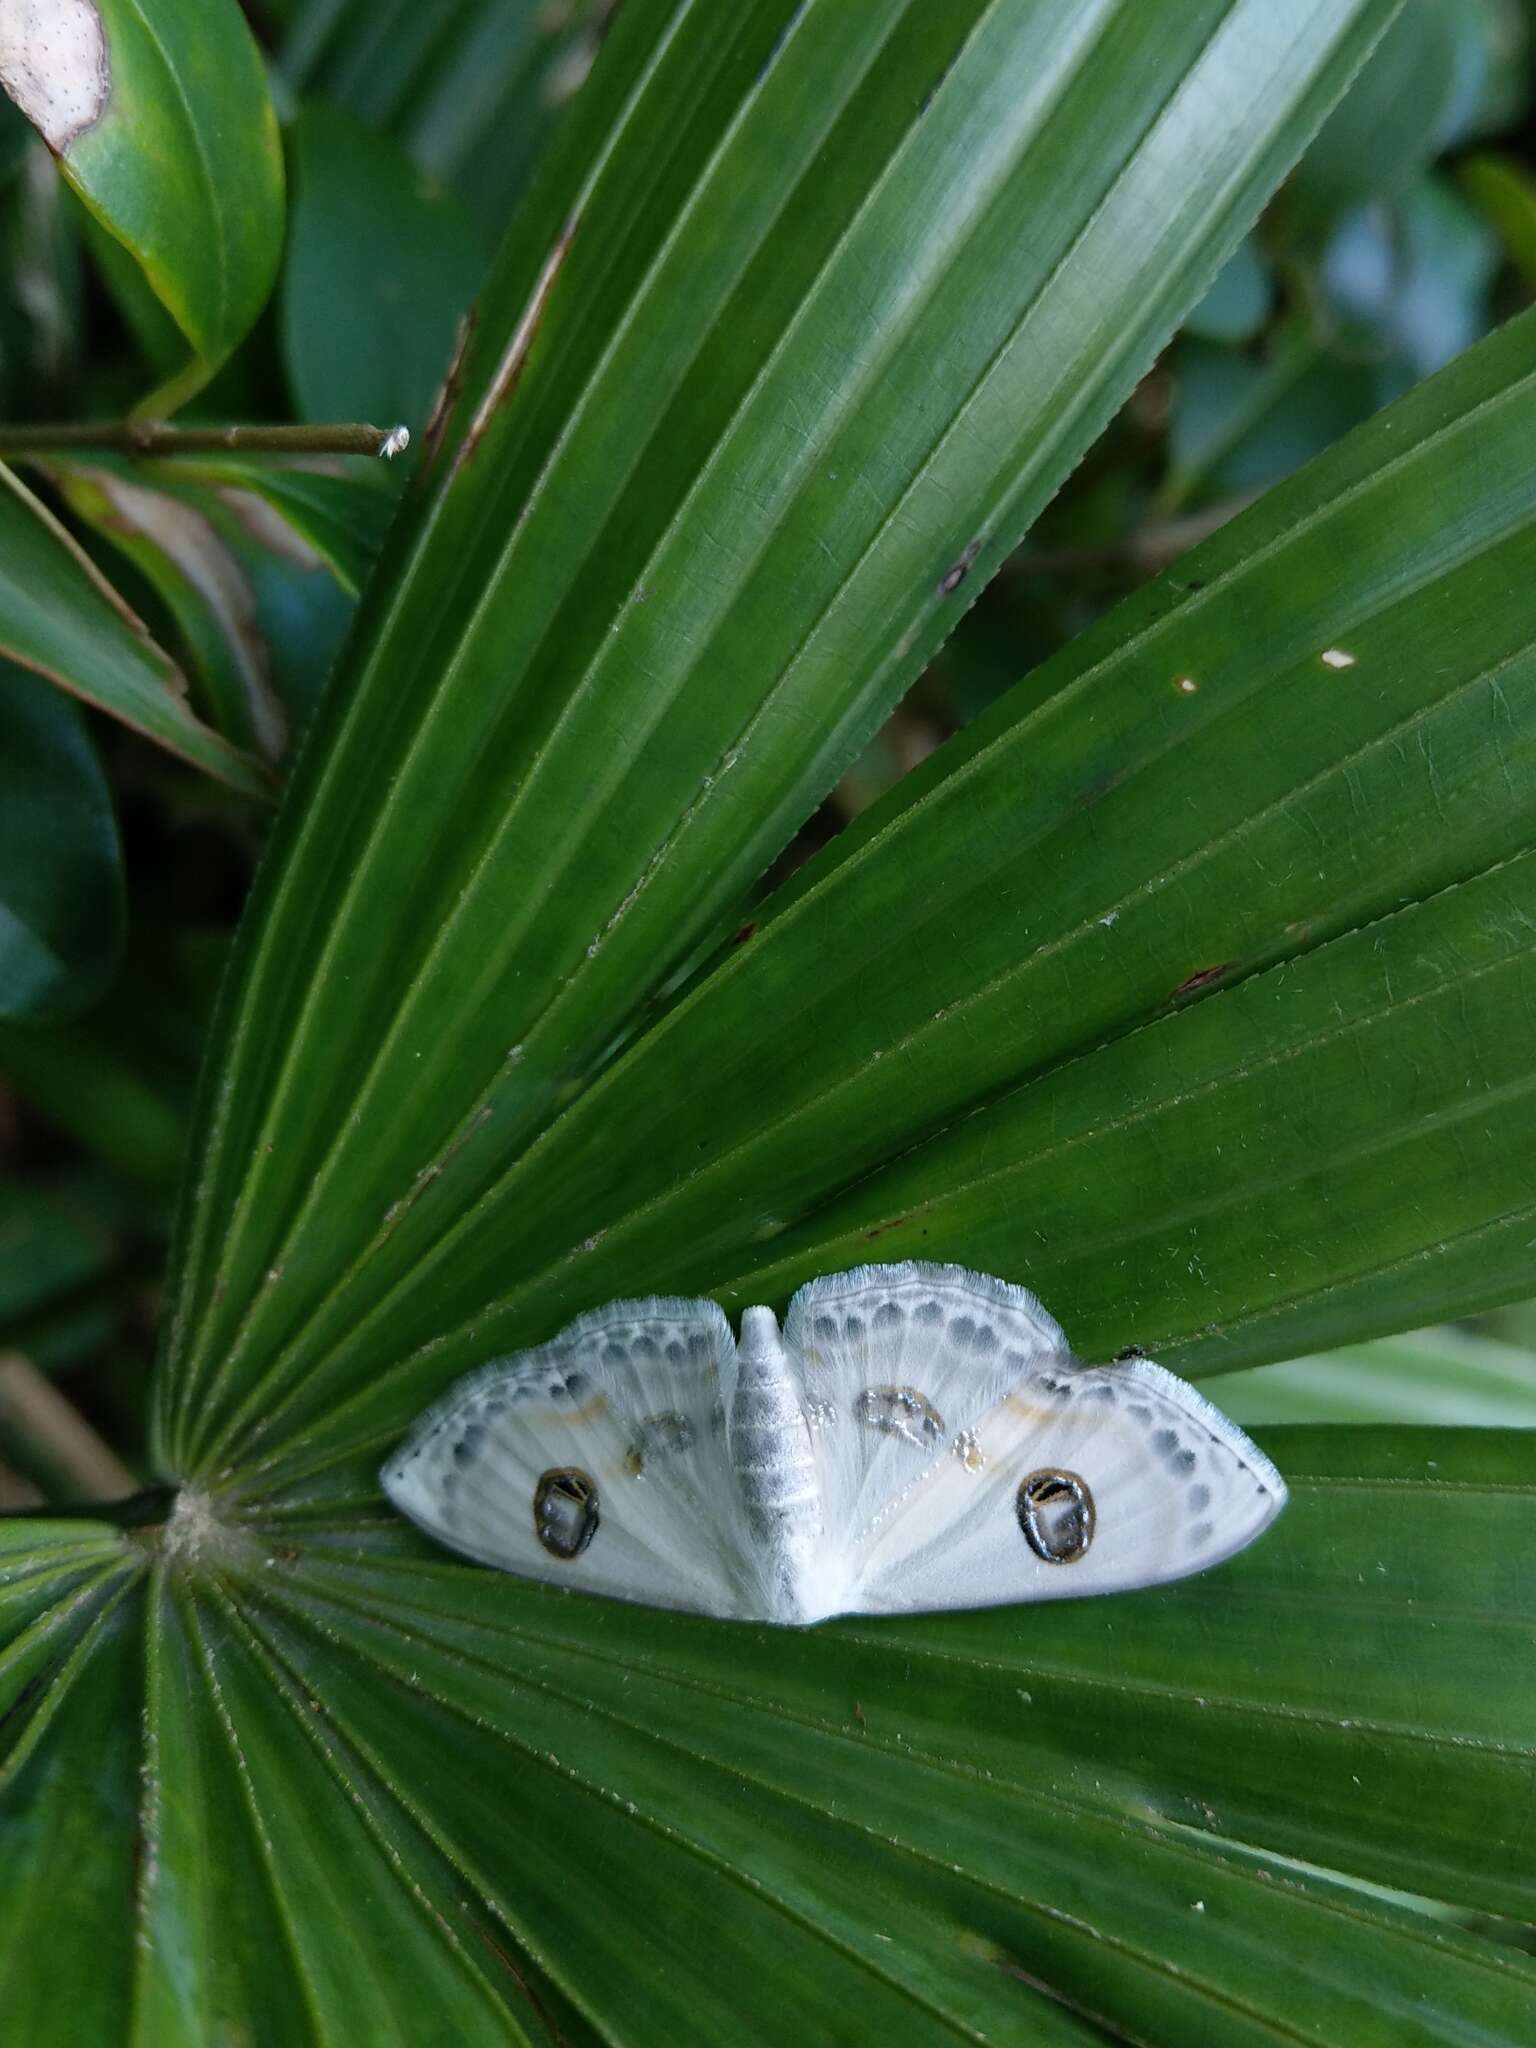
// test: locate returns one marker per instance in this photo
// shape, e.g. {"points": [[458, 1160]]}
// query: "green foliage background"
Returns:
{"points": [[950, 675]]}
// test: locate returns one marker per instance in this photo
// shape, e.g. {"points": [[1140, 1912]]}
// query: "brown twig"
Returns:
{"points": [[33, 1408], [17, 1494], [1150, 548], [154, 437]]}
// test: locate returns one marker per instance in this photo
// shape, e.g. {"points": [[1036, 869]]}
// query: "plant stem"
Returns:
{"points": [[1150, 548], [18, 1494], [33, 1408], [150, 1508], [154, 437]]}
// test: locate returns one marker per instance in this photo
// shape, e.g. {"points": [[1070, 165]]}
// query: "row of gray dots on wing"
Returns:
{"points": [[964, 1332], [1182, 1461]]}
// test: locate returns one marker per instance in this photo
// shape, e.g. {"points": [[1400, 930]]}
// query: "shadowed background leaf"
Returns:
{"points": [[61, 885], [60, 616], [380, 269], [472, 88]]}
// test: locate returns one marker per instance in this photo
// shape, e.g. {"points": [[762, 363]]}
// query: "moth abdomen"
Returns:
{"points": [[770, 1444]]}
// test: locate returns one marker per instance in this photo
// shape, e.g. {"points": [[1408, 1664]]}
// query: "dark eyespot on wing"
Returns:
{"points": [[1056, 1513], [565, 1512]]}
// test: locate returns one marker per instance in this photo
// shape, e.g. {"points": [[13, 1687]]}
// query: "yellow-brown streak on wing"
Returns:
{"points": [[1026, 1410]]}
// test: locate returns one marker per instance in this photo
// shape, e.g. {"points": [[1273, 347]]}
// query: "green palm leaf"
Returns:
{"points": [[1200, 1008]]}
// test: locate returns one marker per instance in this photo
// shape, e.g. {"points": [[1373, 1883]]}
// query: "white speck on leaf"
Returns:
{"points": [[1335, 657]]}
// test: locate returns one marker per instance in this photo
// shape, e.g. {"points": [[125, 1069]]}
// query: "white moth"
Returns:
{"points": [[917, 1437]]}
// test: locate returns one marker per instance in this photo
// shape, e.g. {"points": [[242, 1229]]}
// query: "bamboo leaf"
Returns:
{"points": [[340, 518], [157, 111], [60, 616], [174, 543], [1451, 1377]]}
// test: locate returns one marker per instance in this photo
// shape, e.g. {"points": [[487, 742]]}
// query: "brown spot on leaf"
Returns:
{"points": [[552, 2032], [880, 1229], [1202, 978], [515, 356], [740, 937], [954, 576], [1100, 787], [450, 388]]}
